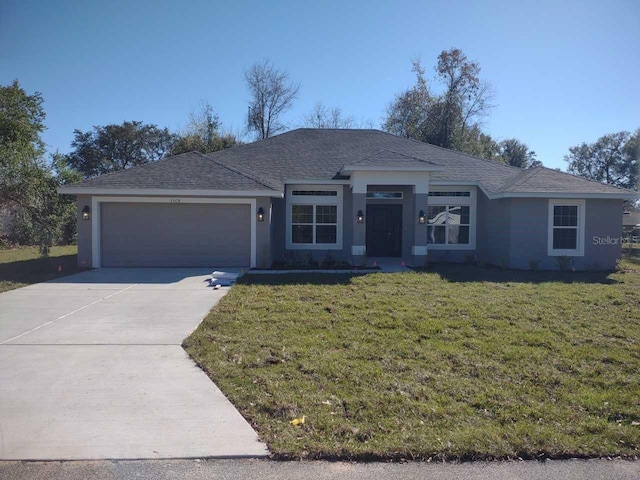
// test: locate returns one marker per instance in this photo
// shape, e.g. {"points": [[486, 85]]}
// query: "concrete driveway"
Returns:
{"points": [[91, 367]]}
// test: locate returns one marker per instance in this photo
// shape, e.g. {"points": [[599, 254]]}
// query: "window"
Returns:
{"points": [[314, 217], [566, 227], [449, 194], [385, 195], [315, 224], [451, 217], [448, 224], [315, 193], [302, 224]]}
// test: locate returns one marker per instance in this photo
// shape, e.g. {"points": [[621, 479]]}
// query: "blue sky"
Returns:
{"points": [[564, 72]]}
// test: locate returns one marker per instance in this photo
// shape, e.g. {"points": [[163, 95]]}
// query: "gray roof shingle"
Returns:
{"points": [[546, 180], [321, 154], [188, 171], [387, 158]]}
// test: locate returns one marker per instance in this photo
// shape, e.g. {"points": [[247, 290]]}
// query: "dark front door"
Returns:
{"points": [[384, 230]]}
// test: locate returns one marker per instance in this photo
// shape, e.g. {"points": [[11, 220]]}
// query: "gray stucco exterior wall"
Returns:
{"points": [[349, 223], [493, 241], [513, 233], [530, 224], [278, 229], [358, 230], [84, 232], [420, 230], [529, 230], [263, 233], [603, 219]]}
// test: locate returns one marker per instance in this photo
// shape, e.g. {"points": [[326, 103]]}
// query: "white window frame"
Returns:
{"points": [[579, 251], [314, 200], [470, 201]]}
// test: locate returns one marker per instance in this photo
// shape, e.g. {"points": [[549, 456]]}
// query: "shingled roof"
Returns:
{"points": [[321, 154], [188, 171], [389, 158], [546, 180]]}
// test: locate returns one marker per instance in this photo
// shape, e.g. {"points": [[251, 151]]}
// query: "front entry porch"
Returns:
{"points": [[391, 226]]}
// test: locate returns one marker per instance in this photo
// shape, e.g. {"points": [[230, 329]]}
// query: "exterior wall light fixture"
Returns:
{"points": [[360, 217], [86, 213], [421, 217], [260, 214]]}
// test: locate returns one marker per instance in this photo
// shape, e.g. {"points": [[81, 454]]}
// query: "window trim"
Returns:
{"points": [[579, 251], [337, 201], [314, 224], [444, 201]]}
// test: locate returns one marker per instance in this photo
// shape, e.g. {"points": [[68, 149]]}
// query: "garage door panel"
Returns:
{"points": [[175, 235]]}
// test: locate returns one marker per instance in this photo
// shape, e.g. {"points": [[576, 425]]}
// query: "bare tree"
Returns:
{"points": [[203, 122], [324, 117], [203, 133], [272, 94]]}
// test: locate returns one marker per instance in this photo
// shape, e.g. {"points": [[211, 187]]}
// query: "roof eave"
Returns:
{"points": [[168, 192], [603, 196]]}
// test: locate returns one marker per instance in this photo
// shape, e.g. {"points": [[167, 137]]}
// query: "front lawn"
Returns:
{"points": [[21, 266], [456, 363]]}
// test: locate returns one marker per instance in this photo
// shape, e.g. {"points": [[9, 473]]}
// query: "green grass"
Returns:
{"points": [[23, 266], [456, 363]]}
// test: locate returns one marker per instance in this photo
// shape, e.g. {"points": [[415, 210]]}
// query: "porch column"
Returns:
{"points": [[358, 245], [419, 248]]}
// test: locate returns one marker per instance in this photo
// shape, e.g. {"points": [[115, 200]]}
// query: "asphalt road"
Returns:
{"points": [[270, 470]]}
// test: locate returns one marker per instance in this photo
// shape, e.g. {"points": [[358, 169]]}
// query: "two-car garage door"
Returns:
{"points": [[175, 234]]}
